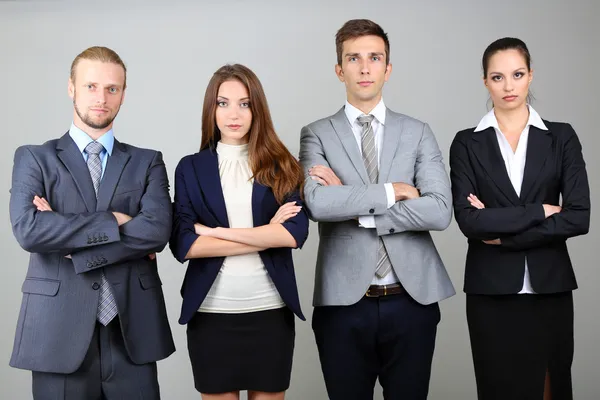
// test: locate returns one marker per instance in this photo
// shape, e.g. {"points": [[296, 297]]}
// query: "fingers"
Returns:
{"points": [[319, 180], [285, 212], [475, 202], [41, 204], [325, 174], [152, 256]]}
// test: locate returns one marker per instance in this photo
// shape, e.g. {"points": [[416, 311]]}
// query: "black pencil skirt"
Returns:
{"points": [[249, 351], [516, 339]]}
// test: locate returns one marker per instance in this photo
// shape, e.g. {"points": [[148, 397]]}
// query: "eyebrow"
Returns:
{"points": [[376, 53], [225, 98], [518, 69]]}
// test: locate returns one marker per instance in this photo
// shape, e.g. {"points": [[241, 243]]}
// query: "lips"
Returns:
{"points": [[365, 83], [509, 98], [234, 127]]}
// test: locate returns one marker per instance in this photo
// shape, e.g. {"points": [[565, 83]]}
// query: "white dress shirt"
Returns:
{"points": [[243, 283], [514, 161], [378, 124]]}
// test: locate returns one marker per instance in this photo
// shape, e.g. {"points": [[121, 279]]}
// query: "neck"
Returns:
{"points": [[94, 134], [512, 120], [365, 106]]}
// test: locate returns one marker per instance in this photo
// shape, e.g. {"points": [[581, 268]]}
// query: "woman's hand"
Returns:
{"points": [[285, 212], [203, 230], [475, 202]]}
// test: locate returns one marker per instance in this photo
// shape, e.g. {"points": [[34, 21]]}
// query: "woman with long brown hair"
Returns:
{"points": [[237, 215]]}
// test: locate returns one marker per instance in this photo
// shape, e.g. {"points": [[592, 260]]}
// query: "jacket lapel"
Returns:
{"points": [[391, 137], [538, 143], [206, 168], [114, 168], [344, 131], [73, 160], [258, 193], [487, 151]]}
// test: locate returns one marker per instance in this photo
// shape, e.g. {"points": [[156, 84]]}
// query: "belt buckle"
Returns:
{"points": [[368, 294]]}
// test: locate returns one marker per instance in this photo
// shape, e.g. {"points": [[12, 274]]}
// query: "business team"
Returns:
{"points": [[93, 212]]}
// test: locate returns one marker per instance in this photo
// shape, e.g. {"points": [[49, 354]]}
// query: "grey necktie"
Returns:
{"points": [[369, 153], [107, 307]]}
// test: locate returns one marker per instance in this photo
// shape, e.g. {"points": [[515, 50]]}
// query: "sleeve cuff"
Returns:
{"points": [[391, 197], [366, 221]]}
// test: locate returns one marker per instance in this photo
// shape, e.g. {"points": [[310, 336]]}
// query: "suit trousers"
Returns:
{"points": [[106, 373], [391, 338]]}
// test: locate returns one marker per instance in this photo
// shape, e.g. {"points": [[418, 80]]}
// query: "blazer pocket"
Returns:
{"points": [[128, 189], [46, 287], [149, 281]]}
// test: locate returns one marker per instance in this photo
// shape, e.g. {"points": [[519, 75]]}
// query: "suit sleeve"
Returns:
{"points": [[487, 223], [298, 225], [184, 217], [147, 232], [431, 211], [574, 219], [48, 231], [335, 203]]}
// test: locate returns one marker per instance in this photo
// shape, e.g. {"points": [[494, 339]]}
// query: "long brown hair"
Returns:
{"points": [[271, 162]]}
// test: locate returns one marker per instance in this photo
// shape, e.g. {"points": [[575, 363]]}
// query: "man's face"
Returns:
{"points": [[364, 70], [97, 93]]}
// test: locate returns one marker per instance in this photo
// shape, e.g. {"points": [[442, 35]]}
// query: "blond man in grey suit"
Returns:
{"points": [[377, 185]]}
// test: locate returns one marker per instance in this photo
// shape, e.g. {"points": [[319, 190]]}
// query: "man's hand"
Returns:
{"points": [[403, 191], [324, 175], [285, 212], [121, 218], [550, 210], [41, 204]]}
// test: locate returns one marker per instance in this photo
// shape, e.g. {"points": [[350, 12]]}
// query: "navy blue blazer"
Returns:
{"points": [[199, 198]]}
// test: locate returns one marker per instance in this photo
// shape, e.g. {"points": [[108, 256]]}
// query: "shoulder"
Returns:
{"points": [[561, 130], [37, 150], [321, 124]]}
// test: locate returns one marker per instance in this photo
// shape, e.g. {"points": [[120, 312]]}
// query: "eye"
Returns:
{"points": [[496, 78], [375, 58], [221, 104], [113, 90], [89, 86], [519, 75], [352, 59], [245, 104]]}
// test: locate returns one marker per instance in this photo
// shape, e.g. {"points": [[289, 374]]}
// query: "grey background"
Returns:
{"points": [[171, 51]]}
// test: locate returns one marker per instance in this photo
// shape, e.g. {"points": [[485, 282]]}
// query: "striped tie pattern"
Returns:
{"points": [[369, 153], [107, 307]]}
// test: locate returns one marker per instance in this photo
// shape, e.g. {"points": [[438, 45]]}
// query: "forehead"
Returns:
{"points": [[364, 44], [99, 72], [508, 60], [233, 88]]}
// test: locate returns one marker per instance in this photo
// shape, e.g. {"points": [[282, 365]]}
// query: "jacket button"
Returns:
{"points": [[104, 238], [95, 286], [392, 230], [104, 260], [371, 211], [89, 264], [89, 240]]}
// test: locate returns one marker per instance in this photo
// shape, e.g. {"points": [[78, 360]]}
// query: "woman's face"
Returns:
{"points": [[508, 79], [233, 113]]}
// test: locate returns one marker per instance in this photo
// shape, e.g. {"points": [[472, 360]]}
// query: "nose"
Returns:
{"points": [[364, 67], [508, 85], [101, 97]]}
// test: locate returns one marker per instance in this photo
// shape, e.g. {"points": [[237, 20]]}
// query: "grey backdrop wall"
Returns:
{"points": [[171, 50]]}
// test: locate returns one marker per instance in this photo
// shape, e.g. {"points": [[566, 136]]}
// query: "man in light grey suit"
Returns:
{"points": [[377, 185], [90, 210]]}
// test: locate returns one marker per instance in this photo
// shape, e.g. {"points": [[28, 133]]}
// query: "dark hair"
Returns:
{"points": [[507, 43], [271, 162], [356, 28]]}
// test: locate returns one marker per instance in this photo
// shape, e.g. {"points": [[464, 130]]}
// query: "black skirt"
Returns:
{"points": [[516, 339], [248, 351]]}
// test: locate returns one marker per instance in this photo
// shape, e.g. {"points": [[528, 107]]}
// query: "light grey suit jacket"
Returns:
{"points": [[347, 253], [60, 295]]}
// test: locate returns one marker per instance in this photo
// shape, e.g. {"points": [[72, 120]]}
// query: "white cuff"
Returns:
{"points": [[366, 221], [389, 192]]}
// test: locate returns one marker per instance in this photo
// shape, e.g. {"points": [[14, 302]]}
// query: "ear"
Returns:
{"points": [[388, 71], [530, 76], [339, 72], [71, 89]]}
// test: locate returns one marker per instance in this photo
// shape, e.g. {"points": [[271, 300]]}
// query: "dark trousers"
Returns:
{"points": [[391, 338], [106, 373], [516, 339]]}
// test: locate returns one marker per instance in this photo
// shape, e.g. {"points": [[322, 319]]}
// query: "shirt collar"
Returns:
{"points": [[378, 112], [82, 139], [489, 120]]}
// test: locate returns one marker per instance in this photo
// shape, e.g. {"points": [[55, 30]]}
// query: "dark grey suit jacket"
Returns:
{"points": [[60, 295]]}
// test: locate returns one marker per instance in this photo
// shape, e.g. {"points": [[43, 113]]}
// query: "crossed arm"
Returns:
{"points": [[427, 206]]}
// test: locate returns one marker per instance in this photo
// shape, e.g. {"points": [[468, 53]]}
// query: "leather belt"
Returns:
{"points": [[384, 290]]}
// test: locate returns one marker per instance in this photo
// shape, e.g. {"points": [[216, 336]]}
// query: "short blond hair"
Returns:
{"points": [[99, 53]]}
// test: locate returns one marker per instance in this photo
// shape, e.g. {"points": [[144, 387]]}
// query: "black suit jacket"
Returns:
{"points": [[554, 167], [199, 198]]}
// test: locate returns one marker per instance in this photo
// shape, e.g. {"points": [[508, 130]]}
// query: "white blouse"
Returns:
{"points": [[243, 284]]}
